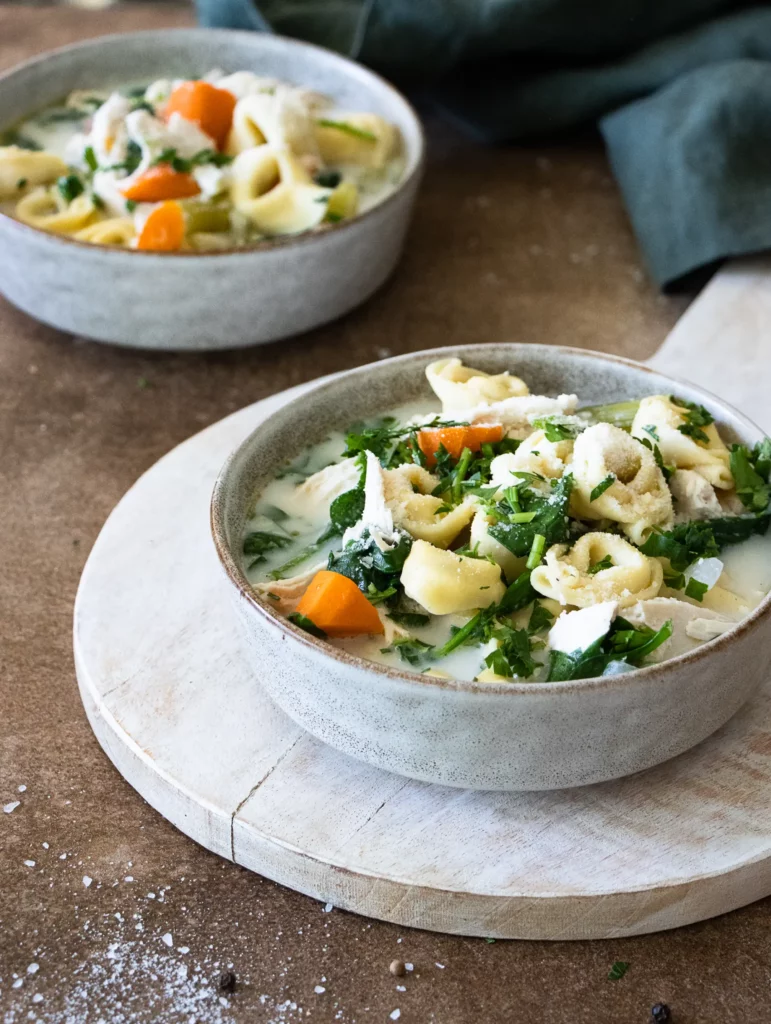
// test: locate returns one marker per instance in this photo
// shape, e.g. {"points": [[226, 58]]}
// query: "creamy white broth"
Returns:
{"points": [[293, 163], [738, 577]]}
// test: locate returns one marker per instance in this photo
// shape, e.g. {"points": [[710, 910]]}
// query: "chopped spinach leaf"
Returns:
{"points": [[129, 164], [751, 487], [131, 205], [623, 642], [550, 520], [347, 508], [540, 618], [411, 650], [70, 187], [602, 486], [366, 564], [328, 179], [702, 538], [479, 627], [307, 624], [259, 542], [411, 620], [512, 656], [90, 157]]}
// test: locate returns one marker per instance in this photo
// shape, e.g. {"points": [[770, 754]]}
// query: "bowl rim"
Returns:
{"points": [[267, 245], [236, 575]]}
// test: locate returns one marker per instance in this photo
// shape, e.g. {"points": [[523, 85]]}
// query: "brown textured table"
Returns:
{"points": [[127, 919]]}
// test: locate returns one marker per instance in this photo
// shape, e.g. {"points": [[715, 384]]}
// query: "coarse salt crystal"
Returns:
{"points": [[8, 808], [18, 983], [395, 1014], [33, 968], [62, 856], [318, 989], [328, 908], [151, 895], [87, 880], [129, 878], [167, 939], [22, 789], [30, 863], [409, 967], [37, 998], [401, 988], [440, 966], [184, 949], [46, 846]]}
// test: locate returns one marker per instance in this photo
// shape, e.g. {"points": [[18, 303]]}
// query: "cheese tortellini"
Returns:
{"points": [[536, 454], [565, 576], [206, 164], [633, 491], [23, 168], [408, 494], [461, 387], [710, 459], [444, 583], [273, 190]]}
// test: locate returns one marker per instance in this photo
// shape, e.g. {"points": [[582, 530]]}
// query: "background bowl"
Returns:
{"points": [[509, 736], [196, 300]]}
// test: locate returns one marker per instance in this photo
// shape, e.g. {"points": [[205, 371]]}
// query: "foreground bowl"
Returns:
{"points": [[511, 736], [204, 300]]}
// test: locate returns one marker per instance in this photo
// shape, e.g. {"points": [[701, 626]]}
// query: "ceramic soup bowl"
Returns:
{"points": [[499, 736], [204, 300]]}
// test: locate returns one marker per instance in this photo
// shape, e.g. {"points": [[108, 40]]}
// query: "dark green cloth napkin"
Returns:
{"points": [[681, 90]]}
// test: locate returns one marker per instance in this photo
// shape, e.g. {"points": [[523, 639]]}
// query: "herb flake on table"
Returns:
{"points": [[618, 970]]}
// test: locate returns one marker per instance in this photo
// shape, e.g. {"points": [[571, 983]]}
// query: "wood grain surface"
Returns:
{"points": [[539, 247]]}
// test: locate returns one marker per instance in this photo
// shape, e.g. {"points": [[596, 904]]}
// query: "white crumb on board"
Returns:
{"points": [[87, 880], [11, 807]]}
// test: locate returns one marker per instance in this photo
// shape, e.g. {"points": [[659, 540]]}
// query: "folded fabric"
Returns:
{"points": [[682, 94]]}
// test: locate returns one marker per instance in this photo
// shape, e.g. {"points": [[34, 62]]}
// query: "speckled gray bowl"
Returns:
{"points": [[195, 300], [515, 736]]}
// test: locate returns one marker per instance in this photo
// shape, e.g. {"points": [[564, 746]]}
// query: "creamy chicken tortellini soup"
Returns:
{"points": [[201, 165], [502, 535]]}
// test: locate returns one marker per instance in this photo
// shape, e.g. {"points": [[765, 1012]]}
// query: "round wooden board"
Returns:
{"points": [[167, 689]]}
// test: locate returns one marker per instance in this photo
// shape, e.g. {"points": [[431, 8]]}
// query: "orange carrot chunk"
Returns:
{"points": [[161, 182], [211, 108], [164, 229], [335, 604], [455, 439]]}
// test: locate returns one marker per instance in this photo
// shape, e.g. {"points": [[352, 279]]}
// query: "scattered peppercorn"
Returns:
{"points": [[397, 968], [661, 1014], [227, 982]]}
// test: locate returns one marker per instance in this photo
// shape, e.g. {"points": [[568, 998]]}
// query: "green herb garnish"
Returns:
{"points": [[328, 179], [696, 417], [70, 187], [131, 205], [751, 486], [602, 486], [695, 589], [618, 970], [258, 543], [411, 620], [623, 642], [604, 563], [90, 157], [550, 520], [557, 428], [411, 650], [13, 137], [512, 656]]}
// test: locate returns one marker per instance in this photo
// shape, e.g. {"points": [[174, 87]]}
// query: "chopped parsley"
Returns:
{"points": [[623, 642], [21, 183], [602, 486], [129, 164], [696, 417], [349, 129], [695, 589], [557, 428], [650, 429], [604, 563], [512, 656], [131, 205], [751, 474], [184, 165], [328, 179], [479, 628], [702, 538], [411, 650], [259, 542], [540, 618], [90, 157], [618, 970], [667, 470], [70, 187]]}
